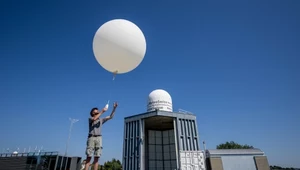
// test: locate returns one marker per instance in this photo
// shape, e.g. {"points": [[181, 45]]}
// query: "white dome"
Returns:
{"points": [[161, 100]]}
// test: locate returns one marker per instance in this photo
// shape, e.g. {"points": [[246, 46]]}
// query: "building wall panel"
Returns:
{"points": [[13, 163], [188, 136], [131, 145], [38, 161], [238, 163], [216, 164], [261, 163], [192, 160], [161, 151]]}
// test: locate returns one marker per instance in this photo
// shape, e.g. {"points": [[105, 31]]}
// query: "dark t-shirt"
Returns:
{"points": [[95, 127]]}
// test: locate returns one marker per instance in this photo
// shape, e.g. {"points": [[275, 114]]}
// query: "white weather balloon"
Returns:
{"points": [[119, 46]]}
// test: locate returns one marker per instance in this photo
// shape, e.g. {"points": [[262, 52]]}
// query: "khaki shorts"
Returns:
{"points": [[94, 146]]}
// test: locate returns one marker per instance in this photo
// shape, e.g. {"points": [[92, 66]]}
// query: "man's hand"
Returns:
{"points": [[104, 109], [115, 105], [112, 113]]}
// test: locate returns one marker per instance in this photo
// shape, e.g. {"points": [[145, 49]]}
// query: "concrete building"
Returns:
{"points": [[38, 161], [236, 159], [160, 138]]}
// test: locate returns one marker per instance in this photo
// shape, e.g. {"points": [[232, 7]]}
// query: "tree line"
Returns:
{"points": [[114, 164], [280, 168]]}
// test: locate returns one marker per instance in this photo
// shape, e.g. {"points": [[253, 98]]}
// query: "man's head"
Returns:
{"points": [[94, 111]]}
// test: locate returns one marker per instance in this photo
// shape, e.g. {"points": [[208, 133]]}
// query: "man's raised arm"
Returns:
{"points": [[99, 114], [112, 112]]}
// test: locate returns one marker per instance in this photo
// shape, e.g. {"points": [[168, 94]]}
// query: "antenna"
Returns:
{"points": [[70, 130]]}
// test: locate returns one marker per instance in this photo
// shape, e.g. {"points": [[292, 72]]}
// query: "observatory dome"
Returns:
{"points": [[161, 100]]}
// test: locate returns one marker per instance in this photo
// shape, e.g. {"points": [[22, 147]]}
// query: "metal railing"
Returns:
{"points": [[29, 154]]}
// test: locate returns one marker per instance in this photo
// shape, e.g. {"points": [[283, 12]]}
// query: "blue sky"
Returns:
{"points": [[235, 64]]}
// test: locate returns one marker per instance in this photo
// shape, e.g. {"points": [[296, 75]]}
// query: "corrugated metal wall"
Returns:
{"points": [[32, 163], [13, 163], [131, 145], [188, 135]]}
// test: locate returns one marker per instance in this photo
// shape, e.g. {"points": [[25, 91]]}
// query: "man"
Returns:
{"points": [[94, 142]]}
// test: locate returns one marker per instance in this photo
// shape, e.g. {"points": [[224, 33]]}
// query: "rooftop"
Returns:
{"points": [[222, 152], [161, 113]]}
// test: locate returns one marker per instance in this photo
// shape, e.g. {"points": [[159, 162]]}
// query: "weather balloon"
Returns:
{"points": [[119, 46]]}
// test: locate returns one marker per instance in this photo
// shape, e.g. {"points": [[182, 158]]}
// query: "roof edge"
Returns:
{"points": [[255, 151], [158, 113]]}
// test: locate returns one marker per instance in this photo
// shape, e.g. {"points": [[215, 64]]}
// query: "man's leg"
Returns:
{"points": [[87, 164], [89, 151], [96, 159], [98, 151]]}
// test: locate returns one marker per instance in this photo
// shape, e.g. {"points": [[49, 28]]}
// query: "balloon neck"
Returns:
{"points": [[114, 74]]}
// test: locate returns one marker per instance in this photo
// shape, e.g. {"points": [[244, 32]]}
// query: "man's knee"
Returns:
{"points": [[96, 159], [88, 159]]}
